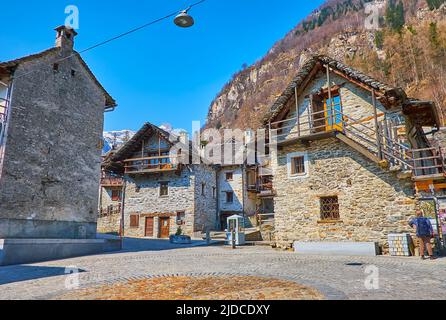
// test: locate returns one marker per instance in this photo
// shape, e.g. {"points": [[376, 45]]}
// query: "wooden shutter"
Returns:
{"points": [[134, 221], [318, 119]]}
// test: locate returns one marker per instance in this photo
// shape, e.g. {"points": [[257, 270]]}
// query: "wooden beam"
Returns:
{"points": [[375, 116]]}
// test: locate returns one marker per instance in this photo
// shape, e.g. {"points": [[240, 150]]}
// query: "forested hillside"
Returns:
{"points": [[409, 50]]}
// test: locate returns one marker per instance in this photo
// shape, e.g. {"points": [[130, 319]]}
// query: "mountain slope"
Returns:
{"points": [[409, 51]]}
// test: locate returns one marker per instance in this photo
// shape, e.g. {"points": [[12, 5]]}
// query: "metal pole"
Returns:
{"points": [[234, 243]]}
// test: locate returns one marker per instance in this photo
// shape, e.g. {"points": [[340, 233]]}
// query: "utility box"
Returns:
{"points": [[235, 226]]}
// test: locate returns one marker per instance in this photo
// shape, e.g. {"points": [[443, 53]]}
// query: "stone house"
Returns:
{"points": [[234, 197], [350, 156], [159, 193], [51, 122]]}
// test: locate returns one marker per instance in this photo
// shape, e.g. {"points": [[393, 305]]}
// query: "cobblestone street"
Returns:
{"points": [[332, 277]]}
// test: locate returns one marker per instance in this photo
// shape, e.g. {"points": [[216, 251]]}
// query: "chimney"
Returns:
{"points": [[65, 37]]}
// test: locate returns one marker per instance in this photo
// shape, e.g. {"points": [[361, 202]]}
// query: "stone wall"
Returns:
{"points": [[206, 203], [235, 186], [373, 202], [109, 224], [51, 172]]}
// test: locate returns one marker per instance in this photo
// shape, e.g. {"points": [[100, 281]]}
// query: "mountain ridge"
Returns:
{"points": [[337, 29]]}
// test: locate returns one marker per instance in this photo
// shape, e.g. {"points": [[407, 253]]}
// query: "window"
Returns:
{"points": [[330, 208], [164, 189], [297, 165], [134, 221], [73, 72], [181, 218], [214, 192], [56, 67], [203, 189], [229, 176], [230, 197], [116, 195]]}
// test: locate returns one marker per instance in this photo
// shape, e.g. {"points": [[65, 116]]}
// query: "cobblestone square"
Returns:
{"points": [[218, 272]]}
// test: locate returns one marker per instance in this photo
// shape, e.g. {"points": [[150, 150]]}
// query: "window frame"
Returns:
{"points": [[329, 217], [306, 163], [114, 197], [227, 197], [231, 174], [181, 218], [164, 184]]}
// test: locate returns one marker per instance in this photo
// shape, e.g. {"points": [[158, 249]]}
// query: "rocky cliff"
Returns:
{"points": [[411, 34]]}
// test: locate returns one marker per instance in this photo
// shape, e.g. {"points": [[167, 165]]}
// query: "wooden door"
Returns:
{"points": [[333, 113], [149, 227], [164, 227]]}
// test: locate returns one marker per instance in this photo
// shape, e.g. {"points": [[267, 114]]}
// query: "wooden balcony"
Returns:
{"points": [[366, 136], [151, 165], [110, 211], [110, 182]]}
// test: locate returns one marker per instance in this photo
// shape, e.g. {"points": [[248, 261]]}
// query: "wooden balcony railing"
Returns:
{"points": [[425, 162], [110, 211], [151, 164], [112, 182]]}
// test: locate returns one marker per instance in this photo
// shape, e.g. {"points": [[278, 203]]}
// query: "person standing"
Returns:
{"points": [[425, 232]]}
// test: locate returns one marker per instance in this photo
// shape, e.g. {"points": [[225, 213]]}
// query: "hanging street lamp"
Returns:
{"points": [[184, 20]]}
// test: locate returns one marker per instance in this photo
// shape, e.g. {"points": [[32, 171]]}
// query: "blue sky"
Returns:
{"points": [[162, 74]]}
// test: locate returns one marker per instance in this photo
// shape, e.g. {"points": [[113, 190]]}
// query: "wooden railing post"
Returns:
{"points": [[375, 114], [297, 113]]}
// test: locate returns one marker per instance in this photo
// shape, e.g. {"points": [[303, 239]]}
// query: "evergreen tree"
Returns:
{"points": [[395, 15], [435, 4]]}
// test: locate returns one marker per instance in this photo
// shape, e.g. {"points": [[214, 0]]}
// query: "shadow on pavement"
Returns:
{"points": [[22, 273], [138, 244]]}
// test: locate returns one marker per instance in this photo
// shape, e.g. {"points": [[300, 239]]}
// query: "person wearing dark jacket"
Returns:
{"points": [[425, 233]]}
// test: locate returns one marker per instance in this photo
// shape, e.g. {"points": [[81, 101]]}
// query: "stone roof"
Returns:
{"points": [[313, 62], [12, 64]]}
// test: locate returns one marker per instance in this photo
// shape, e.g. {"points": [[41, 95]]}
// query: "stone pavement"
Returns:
{"points": [[334, 277]]}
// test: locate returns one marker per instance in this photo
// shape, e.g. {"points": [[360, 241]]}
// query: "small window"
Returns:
{"points": [[214, 192], [134, 221], [229, 176], [164, 189], [73, 72], [298, 165], [203, 189], [330, 208], [181, 218], [116, 195], [56, 67], [230, 197]]}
